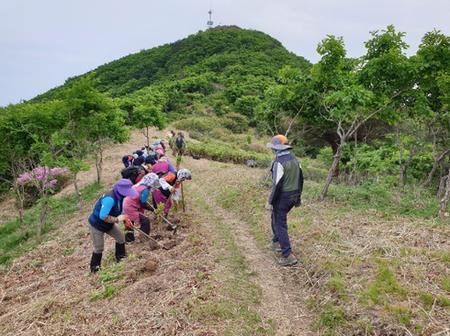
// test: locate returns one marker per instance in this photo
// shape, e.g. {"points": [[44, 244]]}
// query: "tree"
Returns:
{"points": [[45, 152], [96, 118], [434, 57], [346, 93], [147, 112]]}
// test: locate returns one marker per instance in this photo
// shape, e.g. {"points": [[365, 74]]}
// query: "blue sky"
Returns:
{"points": [[44, 42]]}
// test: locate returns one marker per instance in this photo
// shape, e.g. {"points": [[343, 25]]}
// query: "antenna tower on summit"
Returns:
{"points": [[210, 23]]}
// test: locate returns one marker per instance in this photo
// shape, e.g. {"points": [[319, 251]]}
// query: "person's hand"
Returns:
{"points": [[172, 189], [175, 204], [122, 218], [127, 223], [269, 207]]}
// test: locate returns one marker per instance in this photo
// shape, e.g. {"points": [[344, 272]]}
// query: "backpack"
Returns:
{"points": [[250, 163], [133, 173]]}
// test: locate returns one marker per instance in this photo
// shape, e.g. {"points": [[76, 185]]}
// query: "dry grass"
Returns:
{"points": [[361, 273]]}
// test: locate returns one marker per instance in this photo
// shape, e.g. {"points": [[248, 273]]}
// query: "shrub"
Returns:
{"points": [[54, 179], [235, 122]]}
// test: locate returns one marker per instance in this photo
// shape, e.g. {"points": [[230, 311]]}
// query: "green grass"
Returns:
{"points": [[238, 294], [13, 243], [385, 199]]}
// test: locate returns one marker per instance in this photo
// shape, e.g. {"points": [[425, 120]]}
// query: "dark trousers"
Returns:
{"points": [[281, 207]]}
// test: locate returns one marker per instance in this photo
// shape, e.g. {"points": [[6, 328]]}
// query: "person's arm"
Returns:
{"points": [[143, 196], [176, 195], [107, 205], [164, 184], [171, 168], [277, 185]]}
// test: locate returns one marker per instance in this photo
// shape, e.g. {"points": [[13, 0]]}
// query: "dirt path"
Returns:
{"points": [[279, 302]]}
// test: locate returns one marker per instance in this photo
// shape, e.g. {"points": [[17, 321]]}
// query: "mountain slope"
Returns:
{"points": [[219, 51]]}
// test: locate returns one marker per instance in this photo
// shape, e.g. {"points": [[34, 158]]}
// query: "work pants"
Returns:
{"points": [[145, 227], [281, 207], [97, 237]]}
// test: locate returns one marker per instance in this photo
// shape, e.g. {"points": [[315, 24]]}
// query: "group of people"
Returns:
{"points": [[146, 176], [147, 155], [129, 198]]}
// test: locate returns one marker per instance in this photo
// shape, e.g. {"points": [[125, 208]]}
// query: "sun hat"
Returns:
{"points": [[149, 179], [184, 173], [157, 142], [124, 188], [279, 142]]}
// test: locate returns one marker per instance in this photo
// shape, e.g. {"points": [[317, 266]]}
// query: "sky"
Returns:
{"points": [[44, 42]]}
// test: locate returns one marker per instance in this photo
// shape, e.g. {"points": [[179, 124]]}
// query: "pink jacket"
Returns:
{"points": [[131, 206]]}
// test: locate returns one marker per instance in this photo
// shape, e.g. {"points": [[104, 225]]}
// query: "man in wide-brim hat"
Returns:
{"points": [[286, 193]]}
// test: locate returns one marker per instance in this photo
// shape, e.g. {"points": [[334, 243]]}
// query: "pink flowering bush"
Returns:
{"points": [[54, 179]]}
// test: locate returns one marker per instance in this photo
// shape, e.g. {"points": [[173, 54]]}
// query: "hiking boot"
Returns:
{"points": [[120, 252], [96, 261], [275, 246], [289, 261]]}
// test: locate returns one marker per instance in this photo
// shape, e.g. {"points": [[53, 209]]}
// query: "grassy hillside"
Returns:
{"points": [[241, 62]]}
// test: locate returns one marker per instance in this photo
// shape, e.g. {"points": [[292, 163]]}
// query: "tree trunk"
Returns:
{"points": [[99, 162], [444, 203], [430, 175], [20, 192], [269, 170], [441, 186], [41, 220], [335, 147], [75, 184], [356, 159], [330, 175]]}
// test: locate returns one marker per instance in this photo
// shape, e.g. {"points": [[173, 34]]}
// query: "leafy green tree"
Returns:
{"points": [[96, 120], [434, 59], [147, 112], [346, 93]]}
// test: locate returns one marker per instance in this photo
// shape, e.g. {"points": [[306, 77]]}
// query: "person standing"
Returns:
{"points": [[286, 193], [107, 213], [179, 145]]}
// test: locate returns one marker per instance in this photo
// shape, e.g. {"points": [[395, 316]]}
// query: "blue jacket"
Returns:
{"points": [[108, 204]]}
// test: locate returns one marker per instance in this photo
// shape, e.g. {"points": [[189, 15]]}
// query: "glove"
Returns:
{"points": [[269, 207], [122, 218], [172, 190], [175, 204], [128, 223]]}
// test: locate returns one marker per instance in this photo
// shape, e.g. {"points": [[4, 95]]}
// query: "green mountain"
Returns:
{"points": [[232, 65]]}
